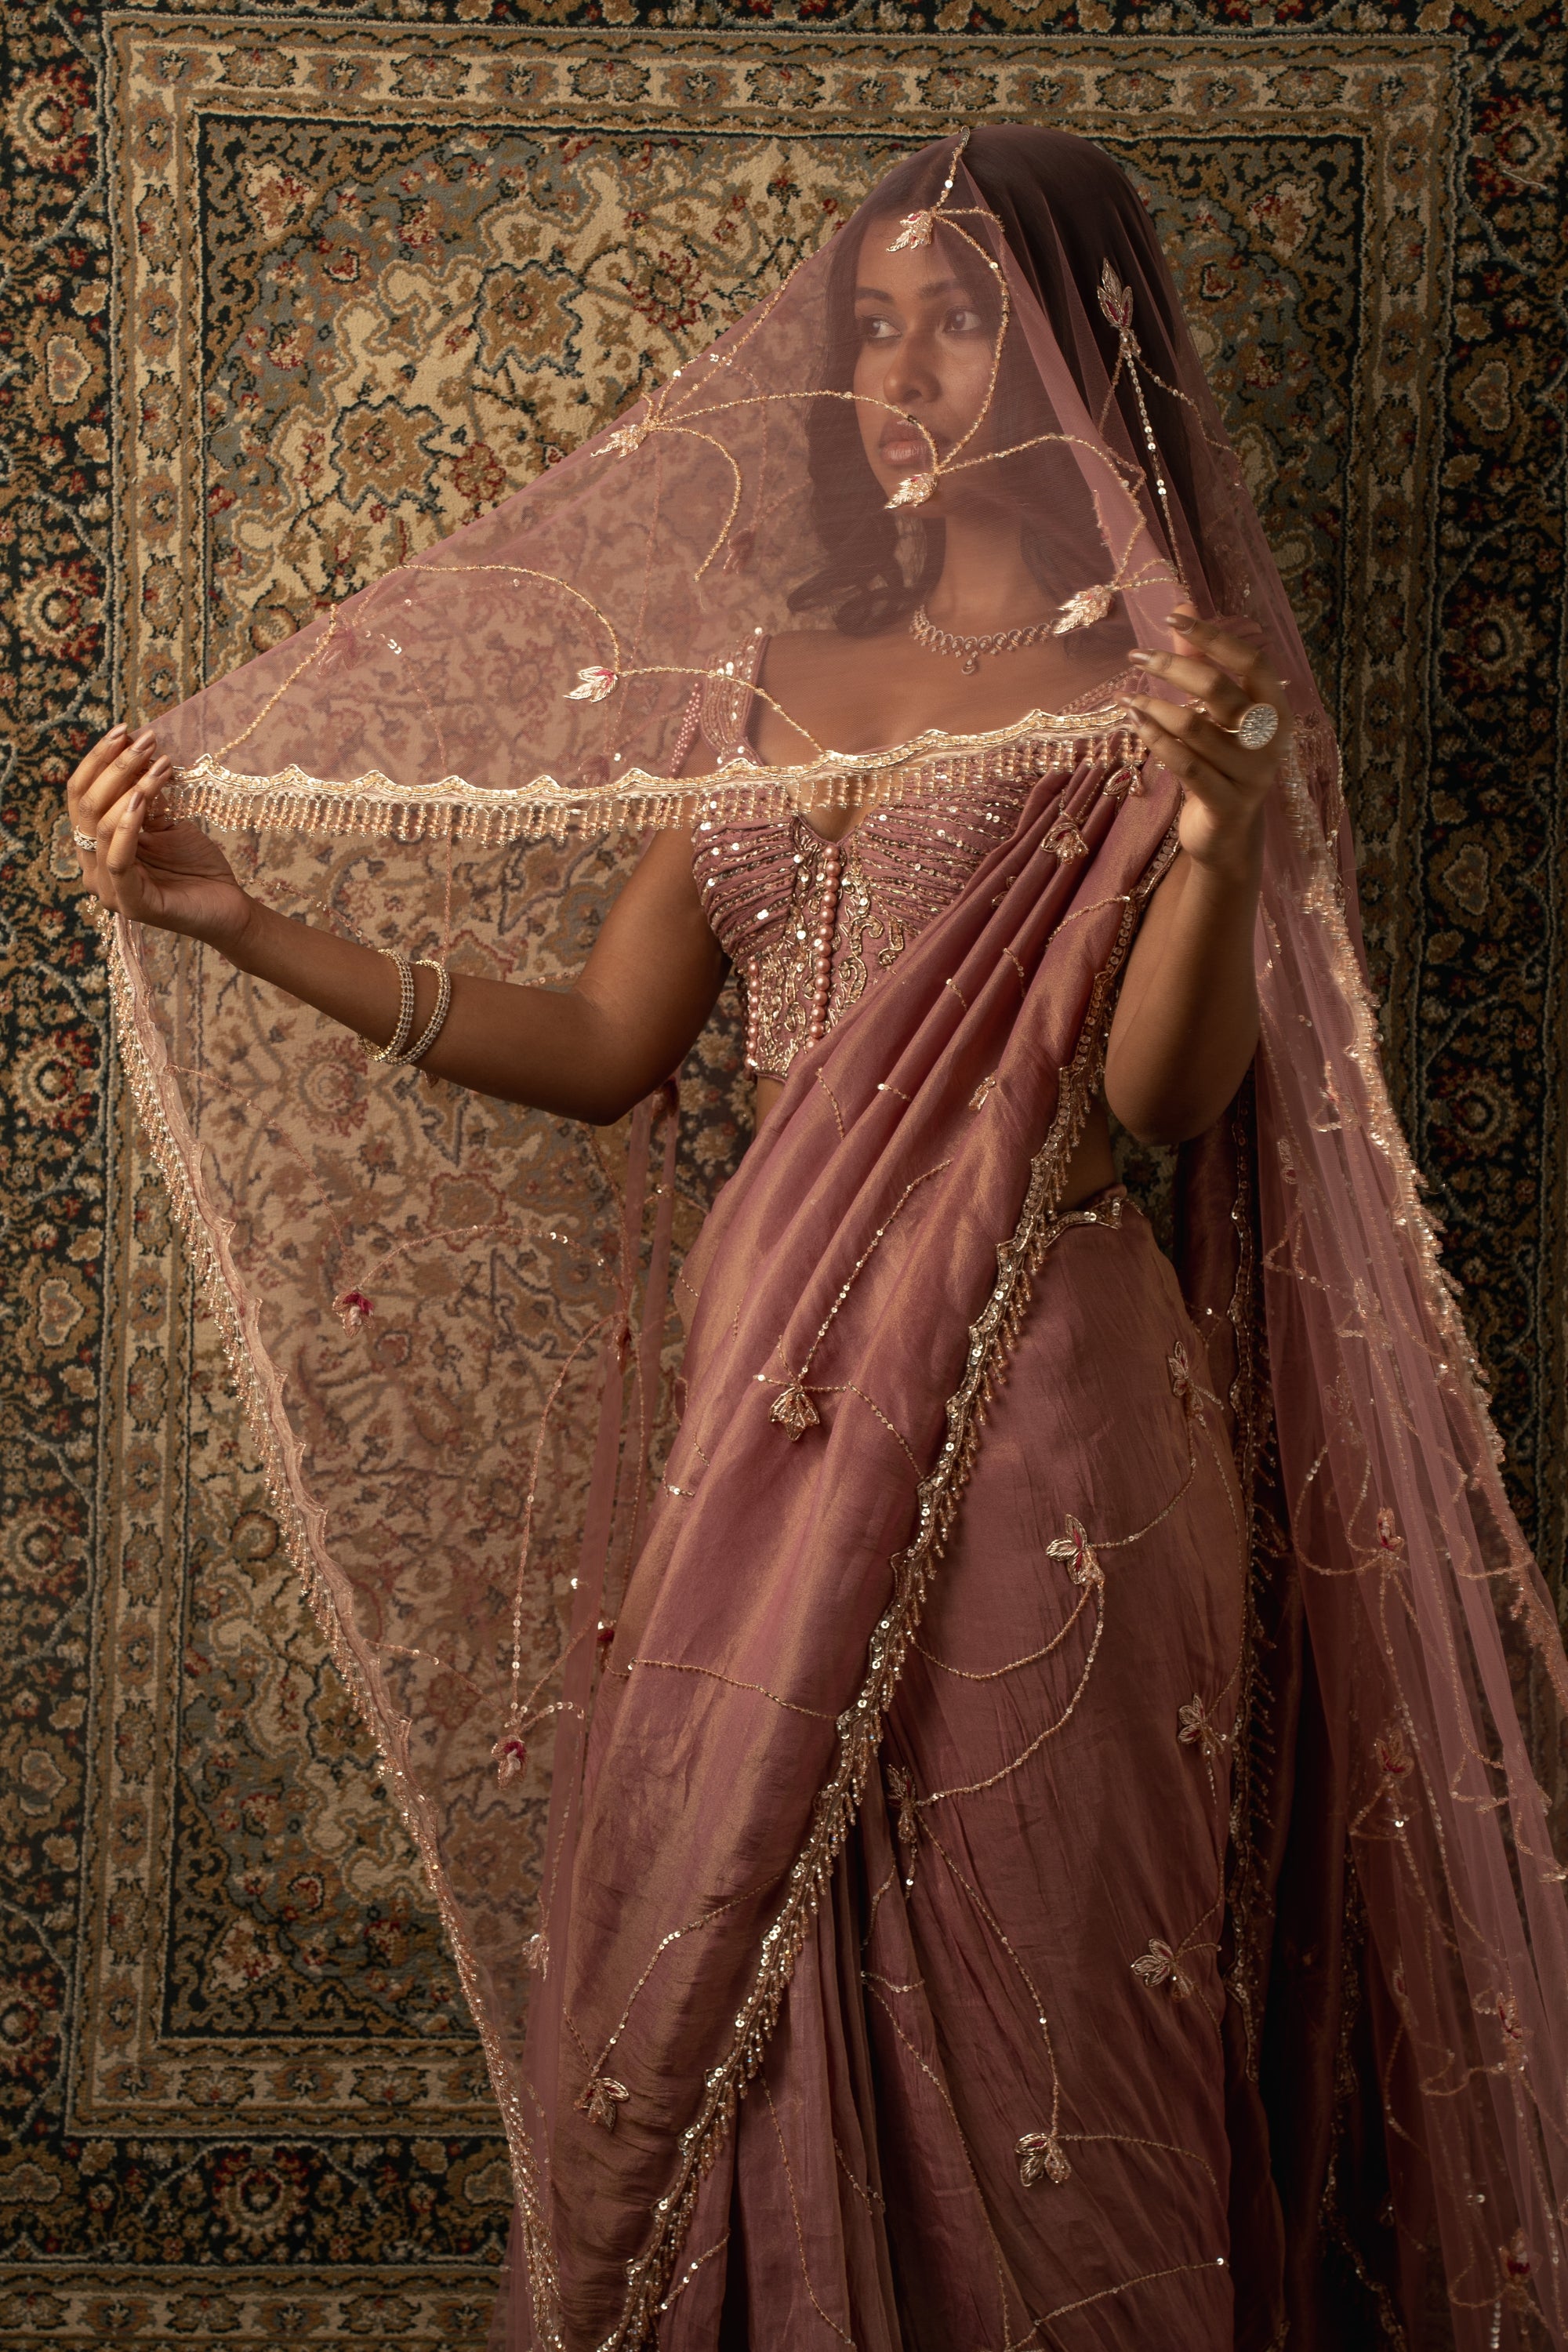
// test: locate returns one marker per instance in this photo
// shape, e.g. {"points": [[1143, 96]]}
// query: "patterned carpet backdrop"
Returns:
{"points": [[287, 294]]}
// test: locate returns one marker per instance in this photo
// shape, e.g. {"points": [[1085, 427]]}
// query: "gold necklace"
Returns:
{"points": [[968, 651]]}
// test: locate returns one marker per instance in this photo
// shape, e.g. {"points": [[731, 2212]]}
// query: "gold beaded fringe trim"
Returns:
{"points": [[991, 1338], [294, 800]]}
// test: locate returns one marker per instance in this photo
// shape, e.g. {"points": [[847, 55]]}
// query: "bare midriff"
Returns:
{"points": [[1092, 1168]]}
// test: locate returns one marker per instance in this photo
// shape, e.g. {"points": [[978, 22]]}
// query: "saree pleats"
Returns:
{"points": [[992, 2113]]}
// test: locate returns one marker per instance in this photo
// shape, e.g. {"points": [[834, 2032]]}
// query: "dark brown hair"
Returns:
{"points": [[1063, 207]]}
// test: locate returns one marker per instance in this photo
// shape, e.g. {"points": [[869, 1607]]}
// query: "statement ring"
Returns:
{"points": [[1256, 727], [86, 842]]}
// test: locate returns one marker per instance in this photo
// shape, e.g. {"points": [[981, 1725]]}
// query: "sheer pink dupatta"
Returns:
{"points": [[1433, 1641], [1434, 1646], [404, 1278]]}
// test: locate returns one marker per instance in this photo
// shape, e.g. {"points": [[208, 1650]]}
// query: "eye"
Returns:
{"points": [[963, 321], [874, 329]]}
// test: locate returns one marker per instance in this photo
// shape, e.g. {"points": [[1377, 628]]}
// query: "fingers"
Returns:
{"points": [[113, 779], [1226, 676], [1212, 685], [1247, 663], [1170, 734], [1189, 726], [117, 840], [90, 766], [113, 767]]}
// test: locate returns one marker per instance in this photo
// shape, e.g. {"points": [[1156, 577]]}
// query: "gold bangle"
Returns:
{"points": [[443, 1004], [392, 1049]]}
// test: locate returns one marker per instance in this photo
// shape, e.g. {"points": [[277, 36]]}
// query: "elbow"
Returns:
{"points": [[591, 1101], [1167, 1119], [1173, 1099], [1168, 1115], [602, 1099], [1166, 1129], [608, 1109]]}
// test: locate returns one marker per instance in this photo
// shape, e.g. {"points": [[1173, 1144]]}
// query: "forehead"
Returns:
{"points": [[906, 277], [930, 273]]}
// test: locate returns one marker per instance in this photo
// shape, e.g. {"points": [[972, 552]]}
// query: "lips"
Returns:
{"points": [[900, 445]]}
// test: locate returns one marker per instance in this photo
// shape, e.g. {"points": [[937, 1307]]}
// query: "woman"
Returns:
{"points": [[955, 1768]]}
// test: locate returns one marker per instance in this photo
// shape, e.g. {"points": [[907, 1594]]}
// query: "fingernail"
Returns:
{"points": [[145, 740], [1143, 653], [1184, 618], [160, 770], [116, 732]]}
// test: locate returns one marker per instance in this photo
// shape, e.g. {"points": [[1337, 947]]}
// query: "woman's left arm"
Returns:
{"points": [[1186, 1026]]}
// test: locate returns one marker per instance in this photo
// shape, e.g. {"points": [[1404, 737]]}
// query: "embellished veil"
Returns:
{"points": [[451, 1318]]}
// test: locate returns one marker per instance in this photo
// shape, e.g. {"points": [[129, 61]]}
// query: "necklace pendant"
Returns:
{"points": [[970, 664]]}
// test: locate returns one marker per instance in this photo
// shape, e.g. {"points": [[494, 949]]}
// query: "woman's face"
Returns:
{"points": [[924, 348]]}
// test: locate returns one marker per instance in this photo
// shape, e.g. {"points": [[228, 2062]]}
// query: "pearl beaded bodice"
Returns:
{"points": [[809, 924]]}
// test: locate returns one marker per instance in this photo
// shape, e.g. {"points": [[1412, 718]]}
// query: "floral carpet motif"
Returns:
{"points": [[288, 297]]}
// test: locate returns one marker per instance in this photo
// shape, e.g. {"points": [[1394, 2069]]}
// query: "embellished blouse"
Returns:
{"points": [[808, 923]]}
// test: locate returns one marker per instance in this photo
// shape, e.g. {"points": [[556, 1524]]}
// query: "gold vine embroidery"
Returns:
{"points": [[992, 1336]]}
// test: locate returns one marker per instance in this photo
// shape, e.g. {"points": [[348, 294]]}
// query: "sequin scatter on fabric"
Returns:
{"points": [[810, 923]]}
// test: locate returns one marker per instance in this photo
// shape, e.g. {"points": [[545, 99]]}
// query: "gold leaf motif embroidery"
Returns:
{"points": [[1198, 1730], [601, 2099], [901, 1792], [1065, 838], [594, 684], [1162, 1966], [1514, 2261], [1116, 304], [978, 1099], [510, 1755], [913, 491], [536, 1953], [915, 229], [622, 443], [794, 1410], [1335, 1115], [1184, 1388], [1126, 781], [1081, 612], [1041, 2158], [1505, 2008], [1076, 1546]]}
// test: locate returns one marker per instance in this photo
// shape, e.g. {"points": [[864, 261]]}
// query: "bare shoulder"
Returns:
{"points": [[796, 657]]}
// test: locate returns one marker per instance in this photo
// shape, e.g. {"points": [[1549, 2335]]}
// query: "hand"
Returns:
{"points": [[1225, 786], [146, 865]]}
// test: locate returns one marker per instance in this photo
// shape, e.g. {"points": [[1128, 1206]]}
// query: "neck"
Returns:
{"points": [[985, 585]]}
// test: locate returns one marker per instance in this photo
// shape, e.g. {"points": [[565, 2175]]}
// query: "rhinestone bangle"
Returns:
{"points": [[433, 1027], [392, 1049]]}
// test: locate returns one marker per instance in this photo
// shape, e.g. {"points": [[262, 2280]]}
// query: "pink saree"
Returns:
{"points": [[1039, 1844]]}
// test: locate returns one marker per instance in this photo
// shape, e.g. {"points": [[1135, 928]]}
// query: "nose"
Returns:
{"points": [[911, 381]]}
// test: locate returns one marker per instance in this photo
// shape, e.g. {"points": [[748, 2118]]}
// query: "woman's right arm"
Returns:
{"points": [[587, 1051]]}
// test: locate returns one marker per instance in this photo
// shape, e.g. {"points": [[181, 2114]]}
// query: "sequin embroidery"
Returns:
{"points": [[808, 923]]}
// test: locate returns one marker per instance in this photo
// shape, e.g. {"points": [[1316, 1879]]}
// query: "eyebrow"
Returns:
{"points": [[931, 286]]}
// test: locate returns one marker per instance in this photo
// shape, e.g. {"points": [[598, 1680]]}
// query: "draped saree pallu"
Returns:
{"points": [[986, 1794]]}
